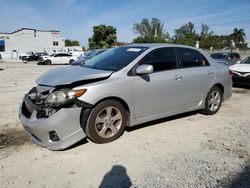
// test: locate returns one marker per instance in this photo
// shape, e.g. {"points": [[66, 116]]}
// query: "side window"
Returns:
{"points": [[192, 58], [230, 56], [55, 43], [58, 55], [237, 55], [162, 59]]}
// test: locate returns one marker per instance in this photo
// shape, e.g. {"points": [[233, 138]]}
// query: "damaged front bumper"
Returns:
{"points": [[55, 132]]}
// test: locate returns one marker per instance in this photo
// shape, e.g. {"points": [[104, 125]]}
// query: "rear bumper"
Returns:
{"points": [[65, 122]]}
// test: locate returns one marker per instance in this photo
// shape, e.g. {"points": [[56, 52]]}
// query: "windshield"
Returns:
{"points": [[219, 56], [246, 61], [115, 59]]}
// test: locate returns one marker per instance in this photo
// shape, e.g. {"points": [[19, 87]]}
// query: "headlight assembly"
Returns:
{"points": [[62, 97]]}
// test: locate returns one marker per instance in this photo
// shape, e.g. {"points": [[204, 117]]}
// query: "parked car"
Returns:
{"points": [[22, 57], [57, 58], [241, 72], [230, 57], [35, 56], [88, 56], [124, 86]]}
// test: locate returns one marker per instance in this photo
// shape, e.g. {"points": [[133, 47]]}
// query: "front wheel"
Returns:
{"points": [[48, 62], [213, 101], [106, 122]]}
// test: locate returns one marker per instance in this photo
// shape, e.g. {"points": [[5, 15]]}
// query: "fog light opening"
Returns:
{"points": [[53, 136]]}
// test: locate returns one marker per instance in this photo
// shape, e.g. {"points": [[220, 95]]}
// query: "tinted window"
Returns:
{"points": [[237, 55], [65, 55], [192, 58], [161, 59], [246, 61], [58, 55], [115, 59], [219, 56]]}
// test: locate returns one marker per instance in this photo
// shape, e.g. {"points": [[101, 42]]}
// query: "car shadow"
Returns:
{"points": [[140, 126], [81, 142], [158, 121], [117, 177], [241, 180]]}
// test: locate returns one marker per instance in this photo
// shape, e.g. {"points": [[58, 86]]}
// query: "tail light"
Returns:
{"points": [[231, 72]]}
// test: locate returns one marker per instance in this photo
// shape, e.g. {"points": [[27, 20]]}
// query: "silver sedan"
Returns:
{"points": [[123, 86]]}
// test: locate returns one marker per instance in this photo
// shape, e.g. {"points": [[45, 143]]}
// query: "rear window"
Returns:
{"points": [[192, 58]]}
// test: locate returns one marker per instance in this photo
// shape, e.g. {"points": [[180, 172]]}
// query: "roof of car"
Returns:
{"points": [[152, 45], [226, 53]]}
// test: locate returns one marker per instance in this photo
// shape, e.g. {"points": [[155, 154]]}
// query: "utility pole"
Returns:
{"points": [[155, 32]]}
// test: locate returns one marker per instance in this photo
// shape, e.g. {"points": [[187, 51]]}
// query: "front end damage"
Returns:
{"points": [[55, 128]]}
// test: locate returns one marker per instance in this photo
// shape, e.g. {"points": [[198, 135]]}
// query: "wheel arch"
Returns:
{"points": [[124, 104], [220, 86], [120, 100]]}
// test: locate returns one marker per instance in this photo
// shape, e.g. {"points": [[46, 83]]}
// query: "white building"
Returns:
{"points": [[31, 40]]}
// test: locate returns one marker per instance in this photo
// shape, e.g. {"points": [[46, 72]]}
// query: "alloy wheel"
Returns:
{"points": [[214, 101], [108, 122]]}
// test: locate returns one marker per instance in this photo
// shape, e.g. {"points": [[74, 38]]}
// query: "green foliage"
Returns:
{"points": [[215, 41], [150, 31], [68, 42], [186, 35], [238, 36], [71, 43], [103, 37], [75, 43]]}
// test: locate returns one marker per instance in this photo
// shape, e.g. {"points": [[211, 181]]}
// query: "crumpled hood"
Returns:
{"points": [[240, 67], [69, 75]]}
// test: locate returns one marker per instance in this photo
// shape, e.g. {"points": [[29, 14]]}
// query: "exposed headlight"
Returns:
{"points": [[62, 97]]}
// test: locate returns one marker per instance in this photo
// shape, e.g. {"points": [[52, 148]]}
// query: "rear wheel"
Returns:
{"points": [[106, 122], [213, 101], [71, 61]]}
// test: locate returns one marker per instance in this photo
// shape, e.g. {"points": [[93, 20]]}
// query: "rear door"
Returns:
{"points": [[197, 76], [158, 92], [57, 59]]}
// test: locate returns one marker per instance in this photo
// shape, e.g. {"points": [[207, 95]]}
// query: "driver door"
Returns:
{"points": [[158, 92]]}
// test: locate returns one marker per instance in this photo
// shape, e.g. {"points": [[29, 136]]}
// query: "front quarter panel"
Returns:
{"points": [[115, 86]]}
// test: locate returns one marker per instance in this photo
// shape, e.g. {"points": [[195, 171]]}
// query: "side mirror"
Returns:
{"points": [[145, 69]]}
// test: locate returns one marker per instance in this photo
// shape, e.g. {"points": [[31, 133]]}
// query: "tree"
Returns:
{"points": [[150, 31], [75, 43], [238, 36], [103, 37], [205, 31], [186, 35], [206, 37], [68, 42], [71, 43]]}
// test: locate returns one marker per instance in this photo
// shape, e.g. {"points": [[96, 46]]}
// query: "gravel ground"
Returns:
{"points": [[188, 150]]}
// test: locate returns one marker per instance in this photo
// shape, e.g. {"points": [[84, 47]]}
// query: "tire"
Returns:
{"points": [[106, 122], [71, 61], [213, 101], [48, 62]]}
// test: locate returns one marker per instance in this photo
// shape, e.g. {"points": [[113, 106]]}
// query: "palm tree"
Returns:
{"points": [[238, 35]]}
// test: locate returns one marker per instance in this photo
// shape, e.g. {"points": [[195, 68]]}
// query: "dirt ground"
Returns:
{"points": [[188, 150]]}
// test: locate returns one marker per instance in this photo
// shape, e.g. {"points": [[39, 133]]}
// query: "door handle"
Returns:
{"points": [[178, 77]]}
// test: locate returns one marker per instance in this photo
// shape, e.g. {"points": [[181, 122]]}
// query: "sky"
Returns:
{"points": [[76, 18]]}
